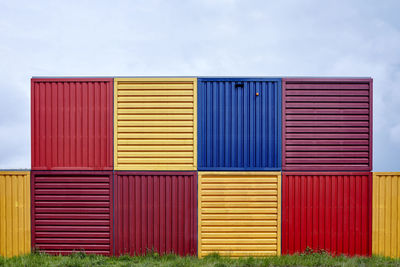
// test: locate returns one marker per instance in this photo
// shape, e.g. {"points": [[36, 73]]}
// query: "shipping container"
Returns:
{"points": [[239, 213], [155, 211], [155, 124], [15, 213], [327, 124], [72, 124], [386, 214], [239, 124], [72, 211], [327, 211]]}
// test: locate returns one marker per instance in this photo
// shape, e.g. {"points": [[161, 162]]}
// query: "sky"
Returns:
{"points": [[198, 38]]}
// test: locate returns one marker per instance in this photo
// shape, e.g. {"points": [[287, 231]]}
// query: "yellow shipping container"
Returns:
{"points": [[386, 214], [239, 213], [15, 213], [155, 124]]}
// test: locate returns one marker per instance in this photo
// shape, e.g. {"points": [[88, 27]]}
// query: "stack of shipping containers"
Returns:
{"points": [[71, 178], [193, 166], [155, 161], [239, 130], [327, 159]]}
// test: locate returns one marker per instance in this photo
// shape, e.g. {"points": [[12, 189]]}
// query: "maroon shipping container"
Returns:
{"points": [[72, 124], [72, 211], [329, 211], [327, 124], [155, 211]]}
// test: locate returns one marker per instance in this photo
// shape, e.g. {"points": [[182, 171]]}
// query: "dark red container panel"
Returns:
{"points": [[327, 211], [327, 124], [72, 124], [72, 211], [155, 211]]}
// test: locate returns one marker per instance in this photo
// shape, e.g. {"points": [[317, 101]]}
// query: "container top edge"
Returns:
{"points": [[105, 77], [15, 170], [325, 173], [201, 77], [72, 172], [240, 172], [152, 172], [386, 173]]}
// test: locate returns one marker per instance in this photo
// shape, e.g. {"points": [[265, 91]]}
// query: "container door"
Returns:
{"points": [[72, 211], [239, 124], [327, 124], [155, 124], [239, 213], [72, 124], [327, 211], [155, 211]]}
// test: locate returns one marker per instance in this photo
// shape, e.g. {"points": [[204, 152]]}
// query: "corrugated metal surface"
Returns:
{"points": [[386, 214], [239, 124], [72, 124], [72, 211], [239, 213], [155, 124], [329, 211], [156, 210], [15, 208], [327, 124]]}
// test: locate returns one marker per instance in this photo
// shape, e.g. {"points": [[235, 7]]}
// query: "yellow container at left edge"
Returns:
{"points": [[15, 213]]}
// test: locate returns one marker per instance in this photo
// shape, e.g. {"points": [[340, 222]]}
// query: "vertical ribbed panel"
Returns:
{"points": [[327, 211], [239, 124], [239, 213], [72, 211], [72, 124], [386, 214], [155, 124], [327, 124], [15, 208], [156, 211]]}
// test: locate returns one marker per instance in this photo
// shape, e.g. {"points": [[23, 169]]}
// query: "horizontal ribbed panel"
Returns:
{"points": [[155, 124], [239, 124], [72, 124], [15, 213], [72, 211], [156, 211], [386, 214], [327, 211], [327, 124], [239, 213]]}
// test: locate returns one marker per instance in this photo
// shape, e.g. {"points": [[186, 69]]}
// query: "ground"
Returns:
{"points": [[153, 259]]}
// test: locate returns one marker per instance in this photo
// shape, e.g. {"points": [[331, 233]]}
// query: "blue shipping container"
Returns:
{"points": [[239, 124]]}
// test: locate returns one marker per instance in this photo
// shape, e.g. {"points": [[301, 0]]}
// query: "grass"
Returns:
{"points": [[214, 260]]}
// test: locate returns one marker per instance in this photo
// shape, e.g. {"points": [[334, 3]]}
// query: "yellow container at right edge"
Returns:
{"points": [[386, 214]]}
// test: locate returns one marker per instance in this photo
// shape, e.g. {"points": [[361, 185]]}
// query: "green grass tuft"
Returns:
{"points": [[308, 258]]}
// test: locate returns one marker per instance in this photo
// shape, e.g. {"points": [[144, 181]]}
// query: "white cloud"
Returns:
{"points": [[395, 135]]}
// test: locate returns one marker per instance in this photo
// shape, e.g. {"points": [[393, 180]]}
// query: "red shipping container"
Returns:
{"points": [[72, 211], [72, 124], [327, 211], [327, 124], [155, 211]]}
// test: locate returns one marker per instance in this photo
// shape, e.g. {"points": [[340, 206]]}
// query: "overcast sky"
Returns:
{"points": [[227, 37]]}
